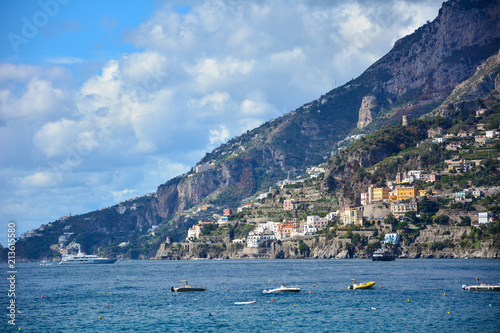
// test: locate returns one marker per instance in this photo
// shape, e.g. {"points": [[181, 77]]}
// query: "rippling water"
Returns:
{"points": [[139, 298]]}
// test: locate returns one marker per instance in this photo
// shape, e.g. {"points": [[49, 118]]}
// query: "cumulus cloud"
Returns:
{"points": [[196, 80]]}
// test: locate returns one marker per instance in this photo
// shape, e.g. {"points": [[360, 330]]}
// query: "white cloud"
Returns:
{"points": [[39, 100], [218, 136], [39, 179]]}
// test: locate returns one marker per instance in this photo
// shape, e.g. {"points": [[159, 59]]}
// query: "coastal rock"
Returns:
{"points": [[365, 111]]}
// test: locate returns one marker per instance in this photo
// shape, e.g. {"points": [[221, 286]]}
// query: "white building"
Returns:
{"points": [[312, 219], [204, 167], [191, 233], [392, 238], [439, 140], [459, 196], [330, 216], [259, 240], [416, 174], [310, 229], [269, 226], [365, 198], [485, 217], [490, 134]]}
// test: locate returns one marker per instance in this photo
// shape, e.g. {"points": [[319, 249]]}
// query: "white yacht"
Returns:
{"points": [[82, 258]]}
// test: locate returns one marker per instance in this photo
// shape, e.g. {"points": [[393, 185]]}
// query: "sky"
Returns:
{"points": [[102, 101]]}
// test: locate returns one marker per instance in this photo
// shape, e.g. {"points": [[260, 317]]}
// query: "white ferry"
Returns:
{"points": [[86, 259]]}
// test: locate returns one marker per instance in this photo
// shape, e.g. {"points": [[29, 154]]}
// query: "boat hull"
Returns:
{"points": [[366, 285], [282, 290], [244, 303], [88, 262], [186, 290], [482, 288]]}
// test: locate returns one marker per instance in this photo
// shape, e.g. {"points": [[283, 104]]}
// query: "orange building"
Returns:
{"points": [[285, 229], [404, 193]]}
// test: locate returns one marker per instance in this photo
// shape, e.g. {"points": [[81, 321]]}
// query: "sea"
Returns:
{"points": [[410, 295]]}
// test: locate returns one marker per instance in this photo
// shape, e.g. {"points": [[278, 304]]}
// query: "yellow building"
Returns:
{"points": [[404, 193], [380, 193], [352, 216]]}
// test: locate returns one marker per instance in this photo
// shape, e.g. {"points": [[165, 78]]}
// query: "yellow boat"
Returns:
{"points": [[361, 285]]}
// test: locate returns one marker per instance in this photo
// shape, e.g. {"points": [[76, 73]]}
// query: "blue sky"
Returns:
{"points": [[106, 100], [85, 30]]}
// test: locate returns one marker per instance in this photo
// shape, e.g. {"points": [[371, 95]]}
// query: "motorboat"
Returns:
{"points": [[361, 285], [87, 259], [383, 254], [184, 286], [244, 303], [283, 289], [482, 286]]}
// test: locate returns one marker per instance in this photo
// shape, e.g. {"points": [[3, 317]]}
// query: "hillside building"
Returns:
{"points": [[290, 205], [393, 238], [405, 193], [352, 216], [263, 239], [401, 208], [485, 217]]}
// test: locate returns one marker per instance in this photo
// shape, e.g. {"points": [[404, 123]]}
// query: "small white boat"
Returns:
{"points": [[283, 289], [186, 287], [244, 303], [482, 286]]}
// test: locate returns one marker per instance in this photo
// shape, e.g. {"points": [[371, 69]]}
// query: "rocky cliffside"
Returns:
{"points": [[479, 91], [423, 68]]}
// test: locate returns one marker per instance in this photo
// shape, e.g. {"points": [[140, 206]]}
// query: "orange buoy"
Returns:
{"points": [[381, 287], [42, 296], [108, 305], [227, 289], [272, 300], [310, 293], [314, 285]]}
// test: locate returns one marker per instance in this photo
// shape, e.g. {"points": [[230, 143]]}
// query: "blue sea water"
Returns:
{"points": [[139, 298]]}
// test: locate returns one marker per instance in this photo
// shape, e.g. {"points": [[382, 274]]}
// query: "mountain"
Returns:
{"points": [[346, 172], [444, 227], [416, 76], [413, 78]]}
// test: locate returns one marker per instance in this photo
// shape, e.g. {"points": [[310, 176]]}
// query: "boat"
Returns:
{"points": [[186, 287], [383, 254], [283, 289], [244, 303], [482, 286], [84, 259], [361, 285]]}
